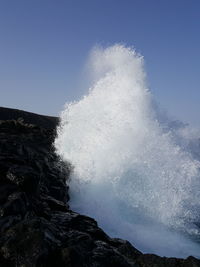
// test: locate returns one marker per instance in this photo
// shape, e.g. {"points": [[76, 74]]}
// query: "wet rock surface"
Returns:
{"points": [[37, 227]]}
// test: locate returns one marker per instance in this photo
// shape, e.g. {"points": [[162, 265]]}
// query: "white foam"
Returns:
{"points": [[130, 173]]}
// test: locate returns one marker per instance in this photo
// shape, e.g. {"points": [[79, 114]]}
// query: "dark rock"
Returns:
{"points": [[37, 228], [46, 122], [25, 177]]}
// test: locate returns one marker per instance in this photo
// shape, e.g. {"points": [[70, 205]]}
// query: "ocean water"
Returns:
{"points": [[135, 171]]}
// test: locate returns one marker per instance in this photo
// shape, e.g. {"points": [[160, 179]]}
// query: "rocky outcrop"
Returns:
{"points": [[47, 122], [37, 227]]}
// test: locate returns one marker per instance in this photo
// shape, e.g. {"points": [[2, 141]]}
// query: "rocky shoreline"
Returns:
{"points": [[36, 224]]}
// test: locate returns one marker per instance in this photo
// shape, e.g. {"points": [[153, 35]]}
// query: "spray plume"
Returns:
{"points": [[131, 172]]}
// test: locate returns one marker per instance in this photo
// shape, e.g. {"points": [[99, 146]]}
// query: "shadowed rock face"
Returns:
{"points": [[37, 228]]}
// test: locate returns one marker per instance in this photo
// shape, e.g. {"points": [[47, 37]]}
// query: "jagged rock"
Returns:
{"points": [[37, 228]]}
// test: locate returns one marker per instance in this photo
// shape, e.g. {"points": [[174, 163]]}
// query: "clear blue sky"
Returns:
{"points": [[44, 45]]}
